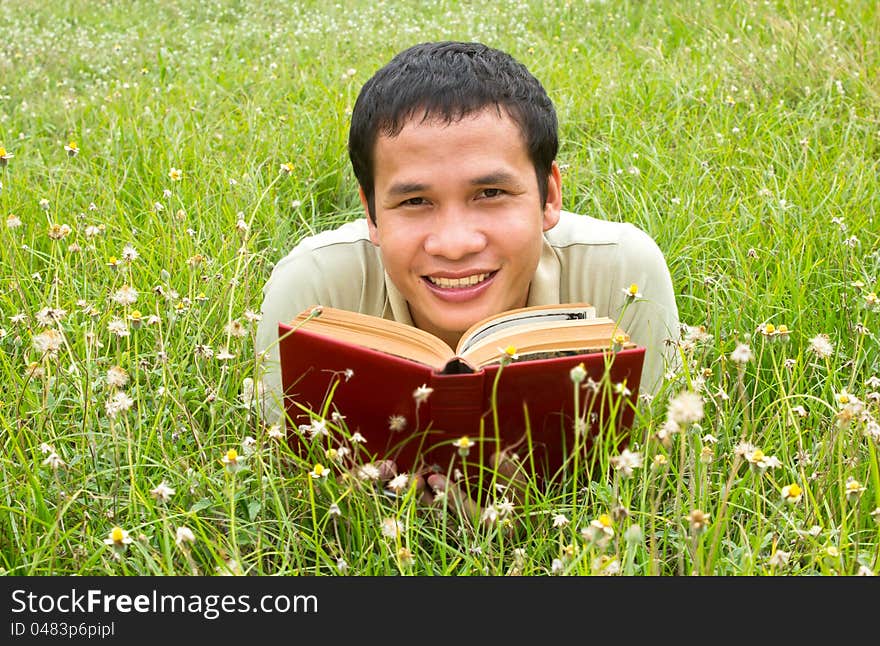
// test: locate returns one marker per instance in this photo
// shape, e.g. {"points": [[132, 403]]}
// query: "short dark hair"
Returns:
{"points": [[448, 81]]}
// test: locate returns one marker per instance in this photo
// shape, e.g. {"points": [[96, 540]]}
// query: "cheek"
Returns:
{"points": [[399, 248], [522, 244]]}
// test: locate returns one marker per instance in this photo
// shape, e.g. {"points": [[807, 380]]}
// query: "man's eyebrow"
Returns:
{"points": [[405, 188], [495, 177]]}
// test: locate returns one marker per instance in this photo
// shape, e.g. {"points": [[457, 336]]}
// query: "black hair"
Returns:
{"points": [[449, 81]]}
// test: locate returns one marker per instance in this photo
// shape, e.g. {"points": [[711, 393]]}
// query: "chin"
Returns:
{"points": [[461, 322]]}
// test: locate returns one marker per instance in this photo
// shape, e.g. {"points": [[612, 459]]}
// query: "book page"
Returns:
{"points": [[522, 317], [379, 334], [543, 337]]}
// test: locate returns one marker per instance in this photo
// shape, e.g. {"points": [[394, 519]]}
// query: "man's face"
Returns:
{"points": [[459, 220]]}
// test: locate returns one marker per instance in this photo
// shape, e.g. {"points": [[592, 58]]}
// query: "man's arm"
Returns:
{"points": [[292, 287], [336, 268], [652, 318]]}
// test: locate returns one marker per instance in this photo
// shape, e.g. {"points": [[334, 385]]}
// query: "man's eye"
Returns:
{"points": [[491, 192], [413, 201]]}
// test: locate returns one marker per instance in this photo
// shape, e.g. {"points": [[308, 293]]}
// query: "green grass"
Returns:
{"points": [[743, 136]]}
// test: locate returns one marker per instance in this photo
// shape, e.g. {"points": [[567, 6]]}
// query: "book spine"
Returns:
{"points": [[457, 404]]}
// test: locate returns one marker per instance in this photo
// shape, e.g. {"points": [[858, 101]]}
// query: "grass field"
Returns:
{"points": [[144, 206]]}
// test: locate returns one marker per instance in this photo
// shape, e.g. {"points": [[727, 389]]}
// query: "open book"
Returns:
{"points": [[368, 370]]}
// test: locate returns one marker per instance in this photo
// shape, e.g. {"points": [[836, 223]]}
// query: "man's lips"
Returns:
{"points": [[461, 288], [458, 282]]}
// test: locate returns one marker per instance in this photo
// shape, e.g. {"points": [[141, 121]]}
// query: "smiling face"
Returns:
{"points": [[459, 219]]}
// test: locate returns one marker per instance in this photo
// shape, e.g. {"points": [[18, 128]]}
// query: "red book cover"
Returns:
{"points": [[373, 392]]}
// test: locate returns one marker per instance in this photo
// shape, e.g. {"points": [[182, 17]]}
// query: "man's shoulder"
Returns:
{"points": [[575, 230], [348, 244], [338, 263], [351, 233]]}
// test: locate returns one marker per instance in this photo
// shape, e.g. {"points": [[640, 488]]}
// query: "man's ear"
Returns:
{"points": [[553, 205], [374, 232]]}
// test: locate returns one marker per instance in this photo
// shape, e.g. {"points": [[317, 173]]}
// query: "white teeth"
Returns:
{"points": [[467, 281]]}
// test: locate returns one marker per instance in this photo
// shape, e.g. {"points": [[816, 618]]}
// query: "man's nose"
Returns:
{"points": [[455, 235]]}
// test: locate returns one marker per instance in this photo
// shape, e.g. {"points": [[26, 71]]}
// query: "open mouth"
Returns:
{"points": [[459, 283]]}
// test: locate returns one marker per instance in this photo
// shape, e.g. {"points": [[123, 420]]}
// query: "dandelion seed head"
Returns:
{"points": [[118, 328], [392, 528], [48, 342], [399, 482], [741, 354], [183, 536], [685, 408], [118, 403], [626, 462], [368, 472], [125, 295], [779, 558], [698, 521], [421, 394], [396, 423], [162, 492], [560, 521], [821, 346], [117, 377], [54, 461]]}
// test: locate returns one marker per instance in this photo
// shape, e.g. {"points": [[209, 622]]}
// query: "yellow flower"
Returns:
{"points": [[792, 493], [287, 168], [632, 292], [5, 156], [136, 319], [319, 471], [118, 539], [231, 461], [175, 174], [72, 149], [464, 445], [508, 354], [854, 488]]}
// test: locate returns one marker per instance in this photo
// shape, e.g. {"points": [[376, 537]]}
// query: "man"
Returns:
{"points": [[454, 147]]}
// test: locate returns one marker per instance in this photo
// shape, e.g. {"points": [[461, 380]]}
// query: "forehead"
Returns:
{"points": [[487, 134], [423, 117]]}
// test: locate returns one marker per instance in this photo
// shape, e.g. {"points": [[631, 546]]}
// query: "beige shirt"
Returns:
{"points": [[583, 260]]}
